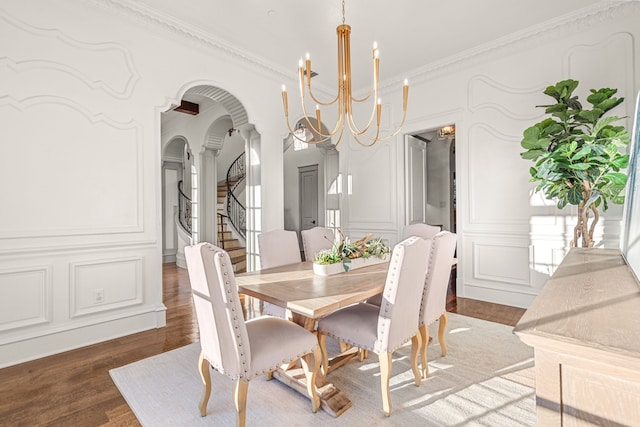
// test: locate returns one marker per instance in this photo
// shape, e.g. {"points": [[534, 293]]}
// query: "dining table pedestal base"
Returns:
{"points": [[332, 400]]}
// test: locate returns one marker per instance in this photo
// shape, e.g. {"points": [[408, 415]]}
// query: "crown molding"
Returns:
{"points": [[549, 30], [552, 29], [180, 29]]}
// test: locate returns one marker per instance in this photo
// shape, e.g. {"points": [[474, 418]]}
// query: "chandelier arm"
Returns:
{"points": [[339, 137], [373, 140], [386, 137], [317, 101], [318, 129], [355, 129], [363, 99], [374, 89]]}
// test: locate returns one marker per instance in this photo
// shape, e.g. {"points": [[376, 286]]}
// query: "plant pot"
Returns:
{"points": [[329, 269]]}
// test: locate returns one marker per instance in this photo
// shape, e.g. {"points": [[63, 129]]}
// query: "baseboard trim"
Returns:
{"points": [[25, 350], [496, 296]]}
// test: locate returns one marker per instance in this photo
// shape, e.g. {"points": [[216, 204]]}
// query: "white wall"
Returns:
{"points": [[509, 241], [82, 88]]}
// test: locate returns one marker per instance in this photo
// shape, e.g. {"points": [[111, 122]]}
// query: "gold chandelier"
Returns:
{"points": [[344, 99]]}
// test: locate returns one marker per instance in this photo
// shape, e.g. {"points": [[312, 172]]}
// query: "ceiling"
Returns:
{"points": [[411, 34]]}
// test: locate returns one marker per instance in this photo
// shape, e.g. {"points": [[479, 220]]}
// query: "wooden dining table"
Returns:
{"points": [[310, 297]]}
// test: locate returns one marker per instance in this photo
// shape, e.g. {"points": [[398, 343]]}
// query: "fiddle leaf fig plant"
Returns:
{"points": [[576, 154]]}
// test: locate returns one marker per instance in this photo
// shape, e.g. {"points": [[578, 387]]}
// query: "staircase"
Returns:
{"points": [[237, 253]]}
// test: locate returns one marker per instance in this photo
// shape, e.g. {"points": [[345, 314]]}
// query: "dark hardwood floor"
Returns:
{"points": [[74, 388]]}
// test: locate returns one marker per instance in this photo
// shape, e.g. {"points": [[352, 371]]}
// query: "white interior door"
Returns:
{"points": [[416, 178], [308, 179]]}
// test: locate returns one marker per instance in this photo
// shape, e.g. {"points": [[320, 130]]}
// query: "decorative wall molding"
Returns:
{"points": [[120, 86], [26, 288], [619, 49], [372, 170], [496, 96], [179, 29], [66, 248], [548, 31], [101, 285], [502, 269], [476, 146], [134, 131]]}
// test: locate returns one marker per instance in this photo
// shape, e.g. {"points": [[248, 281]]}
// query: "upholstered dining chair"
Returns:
{"points": [[238, 349], [434, 297], [384, 329], [425, 231], [315, 240], [278, 247]]}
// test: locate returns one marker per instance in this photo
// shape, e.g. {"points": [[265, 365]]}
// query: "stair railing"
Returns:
{"points": [[184, 209], [236, 212]]}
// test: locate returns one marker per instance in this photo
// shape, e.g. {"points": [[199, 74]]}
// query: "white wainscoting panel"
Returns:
{"points": [[498, 269], [496, 192], [95, 199], [501, 263], [24, 297], [101, 285], [371, 185]]}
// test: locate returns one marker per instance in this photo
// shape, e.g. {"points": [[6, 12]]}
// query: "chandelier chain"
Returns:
{"points": [[343, 12]]}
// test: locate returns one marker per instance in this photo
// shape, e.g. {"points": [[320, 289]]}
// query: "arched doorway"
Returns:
{"points": [[210, 120]]}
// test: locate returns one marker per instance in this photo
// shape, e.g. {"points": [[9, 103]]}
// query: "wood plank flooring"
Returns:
{"points": [[74, 388]]}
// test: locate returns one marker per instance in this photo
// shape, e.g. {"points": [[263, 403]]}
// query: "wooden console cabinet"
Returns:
{"points": [[585, 329]]}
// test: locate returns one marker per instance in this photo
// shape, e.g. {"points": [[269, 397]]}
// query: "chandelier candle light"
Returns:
{"points": [[344, 99]]}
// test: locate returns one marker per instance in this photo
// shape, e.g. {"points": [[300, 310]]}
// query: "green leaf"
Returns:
{"points": [[575, 195], [532, 140], [591, 116], [617, 178], [582, 153], [562, 203], [603, 122], [531, 154], [621, 161], [580, 166]]}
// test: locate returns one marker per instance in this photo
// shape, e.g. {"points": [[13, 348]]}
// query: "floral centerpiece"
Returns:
{"points": [[345, 255]]}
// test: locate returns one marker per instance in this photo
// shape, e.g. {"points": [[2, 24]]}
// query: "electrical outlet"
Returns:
{"points": [[98, 297]]}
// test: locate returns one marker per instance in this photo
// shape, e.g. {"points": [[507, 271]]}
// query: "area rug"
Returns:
{"points": [[486, 379]]}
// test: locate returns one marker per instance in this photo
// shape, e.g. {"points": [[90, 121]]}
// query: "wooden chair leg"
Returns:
{"points": [[441, 327], [385, 375], [322, 340], [269, 375], [416, 344], [205, 373], [424, 335], [240, 388], [311, 367]]}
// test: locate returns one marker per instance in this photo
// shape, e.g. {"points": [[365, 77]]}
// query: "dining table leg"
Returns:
{"points": [[332, 400]]}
